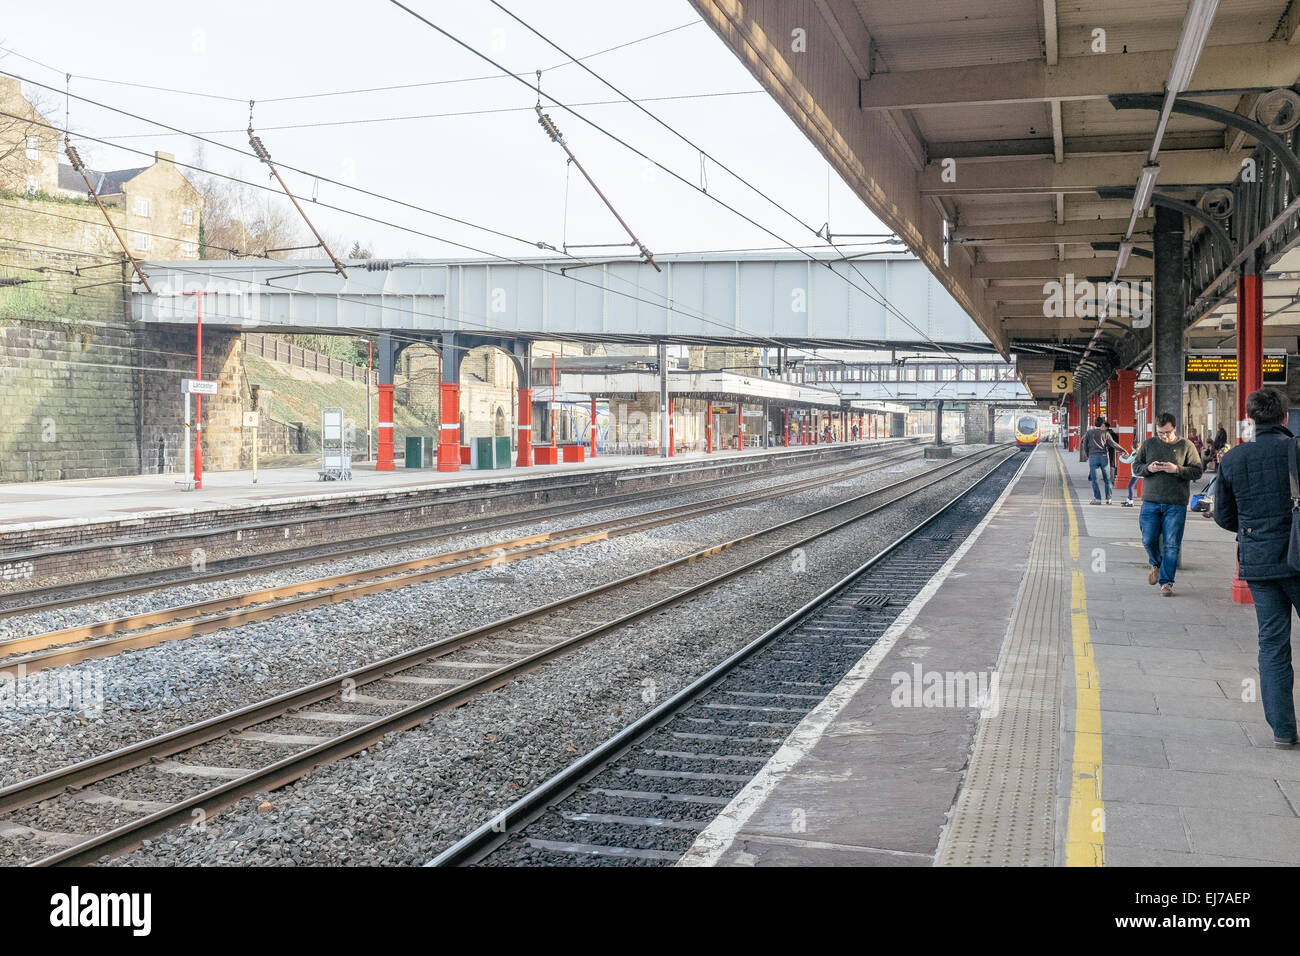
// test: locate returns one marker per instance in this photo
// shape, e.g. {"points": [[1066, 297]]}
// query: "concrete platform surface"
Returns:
{"points": [[1123, 729], [103, 499]]}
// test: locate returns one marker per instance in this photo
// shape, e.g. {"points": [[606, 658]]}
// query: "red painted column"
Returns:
{"points": [[1074, 410], [708, 428], [1121, 411], [672, 422], [524, 455], [385, 460], [449, 434], [740, 427], [593, 428], [1250, 372], [1250, 341], [785, 428]]}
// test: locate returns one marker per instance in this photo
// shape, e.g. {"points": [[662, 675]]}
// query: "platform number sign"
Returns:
{"points": [[1062, 381]]}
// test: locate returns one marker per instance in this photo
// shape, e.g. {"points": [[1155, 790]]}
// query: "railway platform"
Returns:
{"points": [[1038, 704], [43, 503]]}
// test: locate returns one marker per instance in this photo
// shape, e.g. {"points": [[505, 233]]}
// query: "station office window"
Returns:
{"points": [[927, 373], [967, 373], [988, 373], [909, 373], [947, 373]]}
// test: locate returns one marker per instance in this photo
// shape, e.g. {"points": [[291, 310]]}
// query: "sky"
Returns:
{"points": [[493, 167]]}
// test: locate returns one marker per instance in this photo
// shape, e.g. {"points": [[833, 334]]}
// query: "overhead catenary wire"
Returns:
{"points": [[332, 93], [730, 325], [883, 301]]}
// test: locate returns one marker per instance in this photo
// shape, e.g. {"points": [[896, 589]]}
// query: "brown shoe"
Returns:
{"points": [[1154, 576], [1166, 590]]}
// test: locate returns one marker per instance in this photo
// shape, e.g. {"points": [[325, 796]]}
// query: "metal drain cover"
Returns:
{"points": [[872, 601], [939, 536]]}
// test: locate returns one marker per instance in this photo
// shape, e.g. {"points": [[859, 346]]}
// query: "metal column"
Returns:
{"points": [[1167, 323], [1250, 339], [387, 359], [663, 400]]}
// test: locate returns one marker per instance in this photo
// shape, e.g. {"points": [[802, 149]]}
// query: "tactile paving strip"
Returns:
{"points": [[1005, 812]]}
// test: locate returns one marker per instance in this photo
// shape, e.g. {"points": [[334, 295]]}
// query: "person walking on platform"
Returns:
{"points": [[1096, 445], [1253, 498], [1128, 458], [1113, 451], [1168, 465]]}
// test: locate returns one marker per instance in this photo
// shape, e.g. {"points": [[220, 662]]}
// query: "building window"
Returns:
{"points": [[948, 373], [967, 374], [32, 148], [909, 373], [142, 207], [927, 373], [32, 185], [189, 250], [143, 241], [988, 373], [187, 217]]}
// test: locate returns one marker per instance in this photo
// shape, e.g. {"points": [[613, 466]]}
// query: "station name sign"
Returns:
{"points": [[1222, 367]]}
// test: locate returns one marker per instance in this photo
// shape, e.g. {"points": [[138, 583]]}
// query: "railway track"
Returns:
{"points": [[333, 718], [52, 597], [642, 797], [107, 638]]}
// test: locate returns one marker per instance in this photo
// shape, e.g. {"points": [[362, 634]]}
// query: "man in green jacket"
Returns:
{"points": [[1167, 466]]}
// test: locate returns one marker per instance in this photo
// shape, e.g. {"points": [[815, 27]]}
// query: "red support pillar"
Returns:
{"points": [[785, 428], [1250, 342], [449, 434], [1074, 410], [708, 428], [593, 428], [1250, 372], [672, 402], [385, 423], [524, 455], [1121, 411], [740, 427]]}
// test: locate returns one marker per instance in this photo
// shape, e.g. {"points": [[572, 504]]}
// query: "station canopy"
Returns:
{"points": [[1004, 140]]}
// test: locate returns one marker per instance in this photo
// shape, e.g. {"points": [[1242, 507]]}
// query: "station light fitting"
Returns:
{"points": [[1125, 250], [1191, 41], [1146, 187]]}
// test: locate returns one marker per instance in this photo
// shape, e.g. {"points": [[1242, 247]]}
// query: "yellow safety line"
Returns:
{"points": [[1085, 843]]}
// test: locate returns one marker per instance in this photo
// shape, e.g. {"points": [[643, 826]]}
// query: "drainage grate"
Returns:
{"points": [[872, 601], [939, 536]]}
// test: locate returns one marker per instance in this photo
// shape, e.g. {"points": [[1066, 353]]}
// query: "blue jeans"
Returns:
{"points": [[1273, 603], [1096, 462], [1165, 521]]}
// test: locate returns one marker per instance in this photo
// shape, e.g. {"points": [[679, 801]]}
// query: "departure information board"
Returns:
{"points": [[1222, 367]]}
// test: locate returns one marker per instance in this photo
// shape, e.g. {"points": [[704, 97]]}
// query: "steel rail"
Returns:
{"points": [[76, 644], [488, 837], [294, 766], [353, 546]]}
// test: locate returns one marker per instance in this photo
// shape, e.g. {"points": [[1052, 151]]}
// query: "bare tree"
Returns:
{"points": [[29, 148], [239, 221]]}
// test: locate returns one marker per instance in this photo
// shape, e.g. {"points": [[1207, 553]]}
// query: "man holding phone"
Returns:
{"points": [[1168, 465]]}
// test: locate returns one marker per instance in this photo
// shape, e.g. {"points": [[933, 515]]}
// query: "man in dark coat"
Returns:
{"points": [[1254, 500]]}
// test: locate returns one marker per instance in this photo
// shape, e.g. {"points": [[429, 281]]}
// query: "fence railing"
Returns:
{"points": [[278, 350]]}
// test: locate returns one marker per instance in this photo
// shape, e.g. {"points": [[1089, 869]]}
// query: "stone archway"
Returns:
{"points": [[489, 384]]}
